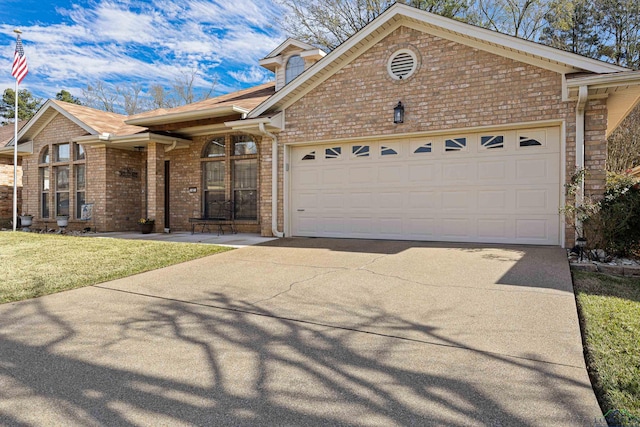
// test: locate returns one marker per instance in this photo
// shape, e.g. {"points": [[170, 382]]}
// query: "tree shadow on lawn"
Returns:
{"points": [[252, 367]]}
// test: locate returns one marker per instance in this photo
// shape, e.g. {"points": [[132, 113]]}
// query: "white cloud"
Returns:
{"points": [[252, 75], [147, 42]]}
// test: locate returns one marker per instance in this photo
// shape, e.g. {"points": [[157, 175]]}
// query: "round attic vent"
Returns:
{"points": [[402, 64]]}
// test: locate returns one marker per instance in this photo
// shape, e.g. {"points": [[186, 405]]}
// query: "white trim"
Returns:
{"points": [[187, 115], [606, 81], [287, 43], [286, 226], [563, 180], [456, 131]]}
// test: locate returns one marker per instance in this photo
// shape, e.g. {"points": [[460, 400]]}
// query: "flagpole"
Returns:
{"points": [[15, 153]]}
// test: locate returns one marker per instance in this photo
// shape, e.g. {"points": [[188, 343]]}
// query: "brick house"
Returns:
{"points": [[418, 127]]}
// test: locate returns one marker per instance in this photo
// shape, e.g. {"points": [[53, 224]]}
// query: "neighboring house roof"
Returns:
{"points": [[402, 15], [7, 132], [240, 102]]}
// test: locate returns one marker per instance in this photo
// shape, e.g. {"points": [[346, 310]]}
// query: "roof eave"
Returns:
{"points": [[187, 116]]}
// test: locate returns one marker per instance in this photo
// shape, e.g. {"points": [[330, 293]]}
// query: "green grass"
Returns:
{"points": [[33, 265], [610, 312]]}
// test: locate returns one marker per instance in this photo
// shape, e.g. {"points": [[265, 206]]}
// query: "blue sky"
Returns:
{"points": [[70, 44]]}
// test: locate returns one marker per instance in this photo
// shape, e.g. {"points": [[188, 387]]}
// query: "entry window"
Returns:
{"points": [[43, 173], [61, 153], [62, 179], [215, 148], [62, 190], [244, 145], [80, 188], [245, 188], [214, 176], [230, 173]]}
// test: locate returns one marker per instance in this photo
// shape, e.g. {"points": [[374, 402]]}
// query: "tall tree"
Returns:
{"points": [[520, 18], [571, 25], [98, 95], [326, 24], [620, 29], [66, 96], [27, 104], [623, 148]]}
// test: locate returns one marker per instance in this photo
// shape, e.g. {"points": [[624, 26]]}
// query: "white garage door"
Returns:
{"points": [[500, 187]]}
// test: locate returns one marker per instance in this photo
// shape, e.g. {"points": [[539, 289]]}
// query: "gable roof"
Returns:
{"points": [[93, 121], [402, 15], [239, 102], [289, 43]]}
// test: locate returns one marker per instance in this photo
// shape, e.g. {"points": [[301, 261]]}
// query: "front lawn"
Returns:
{"points": [[610, 313], [33, 264]]}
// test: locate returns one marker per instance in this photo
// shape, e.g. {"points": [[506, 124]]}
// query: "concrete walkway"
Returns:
{"points": [[238, 240], [307, 332]]}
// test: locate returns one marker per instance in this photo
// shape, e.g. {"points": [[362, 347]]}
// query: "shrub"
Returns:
{"points": [[611, 223], [620, 215]]}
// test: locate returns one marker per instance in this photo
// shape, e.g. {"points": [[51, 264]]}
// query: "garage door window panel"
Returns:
{"points": [[333, 153], [425, 148], [492, 142], [532, 138], [455, 144], [360, 150], [310, 156], [387, 151]]}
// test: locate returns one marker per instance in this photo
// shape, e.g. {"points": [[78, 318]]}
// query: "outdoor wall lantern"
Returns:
{"points": [[398, 113]]}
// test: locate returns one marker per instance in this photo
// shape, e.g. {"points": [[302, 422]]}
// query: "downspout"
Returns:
{"points": [[583, 92], [274, 180]]}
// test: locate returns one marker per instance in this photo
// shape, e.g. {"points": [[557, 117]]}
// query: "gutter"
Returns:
{"points": [[583, 93], [274, 180]]}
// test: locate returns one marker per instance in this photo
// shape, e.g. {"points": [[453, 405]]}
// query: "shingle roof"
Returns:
{"points": [[100, 121], [7, 132], [247, 99]]}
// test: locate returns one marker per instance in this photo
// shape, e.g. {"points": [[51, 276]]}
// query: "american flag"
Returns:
{"points": [[20, 69]]}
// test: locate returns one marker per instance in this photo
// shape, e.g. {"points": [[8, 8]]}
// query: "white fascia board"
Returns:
{"points": [[24, 149], [313, 54], [605, 81], [271, 63], [187, 116], [249, 125], [289, 42], [428, 22], [140, 137]]}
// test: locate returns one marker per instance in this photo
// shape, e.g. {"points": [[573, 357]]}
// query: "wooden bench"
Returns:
{"points": [[221, 216]]}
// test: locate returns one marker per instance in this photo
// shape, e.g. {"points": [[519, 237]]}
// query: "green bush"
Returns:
{"points": [[615, 224]]}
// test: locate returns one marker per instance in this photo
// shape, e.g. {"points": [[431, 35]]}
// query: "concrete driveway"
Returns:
{"points": [[307, 332]]}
